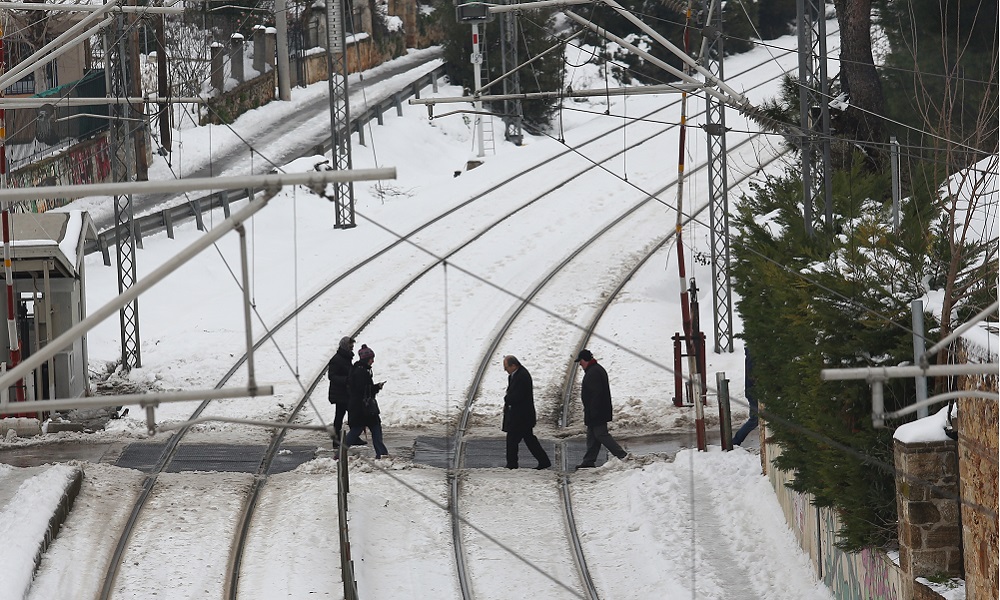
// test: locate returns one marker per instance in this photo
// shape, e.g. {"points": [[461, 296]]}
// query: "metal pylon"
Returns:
{"points": [[718, 186], [509, 39], [340, 117], [814, 112], [123, 169]]}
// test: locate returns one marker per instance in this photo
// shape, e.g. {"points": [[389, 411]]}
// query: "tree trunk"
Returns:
{"points": [[859, 78]]}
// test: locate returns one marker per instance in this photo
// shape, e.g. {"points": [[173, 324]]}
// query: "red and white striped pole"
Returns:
{"points": [[689, 332], [15, 345]]}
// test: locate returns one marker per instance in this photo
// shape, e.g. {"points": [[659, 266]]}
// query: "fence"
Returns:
{"points": [[168, 217]]}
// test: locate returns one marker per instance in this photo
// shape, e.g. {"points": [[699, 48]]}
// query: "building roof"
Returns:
{"points": [[56, 236]]}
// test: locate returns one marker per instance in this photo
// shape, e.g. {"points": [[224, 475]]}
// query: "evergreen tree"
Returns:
{"points": [[942, 96], [839, 299], [776, 18], [941, 77]]}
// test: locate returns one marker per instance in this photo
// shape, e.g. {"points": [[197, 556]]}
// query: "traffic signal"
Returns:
{"points": [[473, 12]]}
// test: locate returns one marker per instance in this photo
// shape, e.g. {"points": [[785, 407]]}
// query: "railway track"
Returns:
{"points": [[640, 214], [409, 251]]}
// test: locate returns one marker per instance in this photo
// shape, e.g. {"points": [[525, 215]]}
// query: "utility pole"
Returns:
{"points": [[477, 79], [814, 112], [512, 83], [476, 13], [281, 32], [340, 114], [718, 183], [13, 340], [122, 169]]}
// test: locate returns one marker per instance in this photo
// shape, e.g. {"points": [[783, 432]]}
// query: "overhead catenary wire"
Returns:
{"points": [[382, 469]]}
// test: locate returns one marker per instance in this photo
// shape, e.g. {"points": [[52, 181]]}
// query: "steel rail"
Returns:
{"points": [[172, 444], [260, 478], [170, 448], [564, 478], [524, 302]]}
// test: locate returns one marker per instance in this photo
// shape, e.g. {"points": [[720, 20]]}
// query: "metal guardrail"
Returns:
{"points": [[343, 487], [165, 219]]}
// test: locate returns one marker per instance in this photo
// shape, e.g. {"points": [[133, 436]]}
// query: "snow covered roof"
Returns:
{"points": [[59, 236]]}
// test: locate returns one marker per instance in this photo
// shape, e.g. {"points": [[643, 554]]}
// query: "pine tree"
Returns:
{"points": [[838, 299]]}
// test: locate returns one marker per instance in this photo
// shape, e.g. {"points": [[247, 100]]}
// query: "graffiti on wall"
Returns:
{"points": [[89, 162], [864, 575]]}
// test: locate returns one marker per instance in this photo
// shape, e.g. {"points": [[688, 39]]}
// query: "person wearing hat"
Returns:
{"points": [[337, 372], [596, 395], [362, 407], [519, 415]]}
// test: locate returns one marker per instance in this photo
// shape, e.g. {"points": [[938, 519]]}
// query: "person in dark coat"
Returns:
{"points": [[596, 395], [362, 407], [751, 423], [337, 371], [519, 414]]}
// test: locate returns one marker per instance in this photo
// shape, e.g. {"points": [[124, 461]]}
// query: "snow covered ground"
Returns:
{"points": [[698, 525]]}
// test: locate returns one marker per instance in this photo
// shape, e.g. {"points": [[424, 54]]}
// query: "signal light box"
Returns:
{"points": [[473, 12]]}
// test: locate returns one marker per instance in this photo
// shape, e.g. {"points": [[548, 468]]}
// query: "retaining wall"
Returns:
{"points": [[866, 575]]}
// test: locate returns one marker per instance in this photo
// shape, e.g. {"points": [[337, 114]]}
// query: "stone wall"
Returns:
{"points": [[406, 10], [930, 541], [249, 95], [361, 55], [427, 30], [978, 435]]}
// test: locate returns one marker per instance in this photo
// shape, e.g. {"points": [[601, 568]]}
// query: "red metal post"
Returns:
{"points": [[15, 345], [678, 375]]}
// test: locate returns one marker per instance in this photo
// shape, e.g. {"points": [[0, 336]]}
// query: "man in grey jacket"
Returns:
{"points": [[596, 395]]}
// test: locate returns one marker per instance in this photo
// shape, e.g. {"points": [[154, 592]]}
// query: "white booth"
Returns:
{"points": [[47, 262]]}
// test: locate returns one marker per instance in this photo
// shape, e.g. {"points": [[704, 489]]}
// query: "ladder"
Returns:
{"points": [[488, 145]]}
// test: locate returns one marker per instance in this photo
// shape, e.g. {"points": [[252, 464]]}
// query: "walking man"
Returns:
{"points": [[519, 414], [596, 395], [337, 371]]}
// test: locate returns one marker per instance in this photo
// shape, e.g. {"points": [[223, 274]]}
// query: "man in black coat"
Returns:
{"points": [[519, 414], [337, 371], [596, 395]]}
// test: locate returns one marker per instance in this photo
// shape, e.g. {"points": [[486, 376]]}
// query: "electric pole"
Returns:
{"points": [[712, 55], [509, 39], [340, 116], [117, 77], [814, 112]]}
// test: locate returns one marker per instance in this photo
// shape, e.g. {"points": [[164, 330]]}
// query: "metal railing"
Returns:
{"points": [[165, 219], [343, 488]]}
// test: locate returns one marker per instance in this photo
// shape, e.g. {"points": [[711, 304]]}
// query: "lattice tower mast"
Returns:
{"points": [[509, 38], [340, 118], [718, 183], [814, 112], [117, 74]]}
